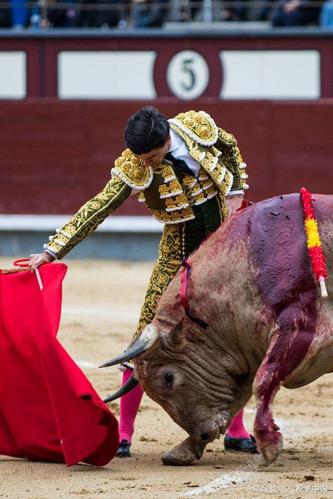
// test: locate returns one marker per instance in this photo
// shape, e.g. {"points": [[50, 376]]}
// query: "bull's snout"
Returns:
{"points": [[210, 430]]}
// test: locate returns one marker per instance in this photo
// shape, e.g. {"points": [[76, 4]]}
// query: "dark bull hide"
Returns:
{"points": [[268, 326]]}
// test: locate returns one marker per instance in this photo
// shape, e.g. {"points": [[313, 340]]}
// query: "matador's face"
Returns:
{"points": [[155, 157]]}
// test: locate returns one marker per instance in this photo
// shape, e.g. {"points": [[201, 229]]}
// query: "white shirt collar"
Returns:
{"points": [[176, 141]]}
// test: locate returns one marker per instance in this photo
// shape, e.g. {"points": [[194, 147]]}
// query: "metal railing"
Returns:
{"points": [[44, 14]]}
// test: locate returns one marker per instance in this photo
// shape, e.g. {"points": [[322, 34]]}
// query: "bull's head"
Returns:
{"points": [[176, 367]]}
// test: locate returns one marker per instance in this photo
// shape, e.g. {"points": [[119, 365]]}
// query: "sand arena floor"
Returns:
{"points": [[101, 304]]}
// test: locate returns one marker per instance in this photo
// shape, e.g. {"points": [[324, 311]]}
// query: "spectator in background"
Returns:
{"points": [[296, 13], [19, 14], [100, 17], [264, 10], [149, 13], [5, 15], [247, 10], [64, 16], [184, 13], [236, 11], [326, 14]]}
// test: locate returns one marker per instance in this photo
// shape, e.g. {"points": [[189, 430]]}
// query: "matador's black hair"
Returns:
{"points": [[146, 130]]}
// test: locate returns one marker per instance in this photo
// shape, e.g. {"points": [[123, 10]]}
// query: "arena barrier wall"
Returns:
{"points": [[62, 119], [57, 154]]}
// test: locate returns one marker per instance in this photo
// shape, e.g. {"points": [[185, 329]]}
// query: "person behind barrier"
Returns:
{"points": [[296, 13]]}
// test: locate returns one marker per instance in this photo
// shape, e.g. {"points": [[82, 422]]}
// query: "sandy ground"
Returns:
{"points": [[100, 307]]}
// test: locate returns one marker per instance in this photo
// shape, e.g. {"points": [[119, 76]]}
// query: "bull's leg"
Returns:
{"points": [[185, 453], [287, 349], [286, 284], [265, 387]]}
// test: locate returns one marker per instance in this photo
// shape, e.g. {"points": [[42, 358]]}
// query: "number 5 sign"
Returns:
{"points": [[187, 74]]}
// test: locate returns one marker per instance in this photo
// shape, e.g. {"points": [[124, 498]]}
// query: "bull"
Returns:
{"points": [[253, 320]]}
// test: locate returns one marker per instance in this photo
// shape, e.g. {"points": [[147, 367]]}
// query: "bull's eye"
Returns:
{"points": [[168, 379]]}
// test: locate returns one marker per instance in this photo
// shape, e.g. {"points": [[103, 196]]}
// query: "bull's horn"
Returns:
{"points": [[131, 383], [146, 340]]}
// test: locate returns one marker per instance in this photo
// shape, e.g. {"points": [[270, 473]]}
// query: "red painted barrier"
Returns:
{"points": [[57, 154]]}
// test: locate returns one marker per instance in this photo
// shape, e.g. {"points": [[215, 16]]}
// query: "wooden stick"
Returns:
{"points": [[323, 288]]}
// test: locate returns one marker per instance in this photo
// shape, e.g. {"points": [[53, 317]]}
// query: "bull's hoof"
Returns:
{"points": [[270, 452], [185, 453]]}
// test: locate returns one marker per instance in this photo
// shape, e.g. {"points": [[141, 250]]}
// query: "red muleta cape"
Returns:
{"points": [[48, 409]]}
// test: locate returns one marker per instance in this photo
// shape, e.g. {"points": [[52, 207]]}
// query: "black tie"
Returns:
{"points": [[179, 165]]}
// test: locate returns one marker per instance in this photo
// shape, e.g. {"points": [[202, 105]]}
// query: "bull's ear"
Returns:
{"points": [[175, 337]]}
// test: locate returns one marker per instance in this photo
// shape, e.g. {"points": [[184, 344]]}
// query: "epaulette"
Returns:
{"points": [[132, 171], [198, 125]]}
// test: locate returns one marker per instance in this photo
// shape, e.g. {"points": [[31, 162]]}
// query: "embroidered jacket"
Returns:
{"points": [[168, 197]]}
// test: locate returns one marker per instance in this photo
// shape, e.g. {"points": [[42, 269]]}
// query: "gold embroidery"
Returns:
{"points": [[197, 117], [95, 205], [132, 171], [210, 162], [189, 122], [198, 152], [200, 199], [168, 263], [222, 206], [176, 203], [171, 189], [226, 184], [210, 188], [173, 217], [231, 157], [71, 229], [89, 217], [226, 137], [169, 260], [166, 171], [204, 131], [189, 181], [206, 164], [196, 191], [199, 191], [219, 160], [199, 126]]}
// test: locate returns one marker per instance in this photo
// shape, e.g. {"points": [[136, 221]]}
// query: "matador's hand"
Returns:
{"points": [[39, 259]]}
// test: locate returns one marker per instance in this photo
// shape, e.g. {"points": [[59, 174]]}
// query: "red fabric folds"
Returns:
{"points": [[48, 409]]}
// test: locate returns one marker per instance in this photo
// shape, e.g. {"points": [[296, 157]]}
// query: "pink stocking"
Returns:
{"points": [[236, 429], [129, 405]]}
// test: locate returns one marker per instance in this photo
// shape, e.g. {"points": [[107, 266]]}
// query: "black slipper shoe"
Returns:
{"points": [[124, 449], [241, 444]]}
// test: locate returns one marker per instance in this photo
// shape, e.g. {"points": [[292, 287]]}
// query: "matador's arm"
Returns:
{"points": [[88, 218], [233, 160]]}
